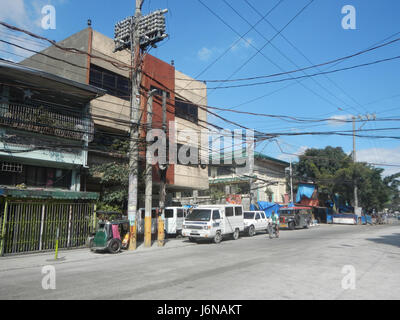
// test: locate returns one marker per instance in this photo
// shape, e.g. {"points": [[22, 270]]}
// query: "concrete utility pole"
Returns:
{"points": [[163, 172], [149, 177], [134, 130], [354, 160], [291, 182]]}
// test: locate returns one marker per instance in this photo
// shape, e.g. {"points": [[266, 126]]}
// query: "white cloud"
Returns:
{"points": [[204, 54], [14, 11], [339, 120], [243, 43], [381, 156]]}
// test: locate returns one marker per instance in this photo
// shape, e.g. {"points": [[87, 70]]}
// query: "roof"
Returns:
{"points": [[257, 155], [17, 74], [51, 194]]}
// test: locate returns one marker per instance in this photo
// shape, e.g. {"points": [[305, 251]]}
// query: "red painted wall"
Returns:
{"points": [[159, 74]]}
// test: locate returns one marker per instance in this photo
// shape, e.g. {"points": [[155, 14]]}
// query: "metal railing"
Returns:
{"points": [[32, 226], [46, 120]]}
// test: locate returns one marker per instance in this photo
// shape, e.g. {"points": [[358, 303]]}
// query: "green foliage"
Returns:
{"points": [[335, 173], [269, 193], [114, 178]]}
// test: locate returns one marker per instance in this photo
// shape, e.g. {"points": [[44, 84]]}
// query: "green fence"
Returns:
{"points": [[32, 226]]}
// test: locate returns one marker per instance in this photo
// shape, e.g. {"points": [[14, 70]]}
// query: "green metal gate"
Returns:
{"points": [[32, 226]]}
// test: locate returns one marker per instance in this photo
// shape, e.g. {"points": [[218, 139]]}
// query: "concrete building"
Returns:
{"points": [[45, 129], [111, 112], [265, 182]]}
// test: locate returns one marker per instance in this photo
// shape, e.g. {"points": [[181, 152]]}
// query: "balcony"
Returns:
{"points": [[47, 120]]}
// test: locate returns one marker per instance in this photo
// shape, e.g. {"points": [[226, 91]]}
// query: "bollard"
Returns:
{"points": [[57, 235]]}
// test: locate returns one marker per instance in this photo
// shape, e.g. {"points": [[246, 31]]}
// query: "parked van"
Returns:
{"points": [[154, 220], [174, 217], [214, 222]]}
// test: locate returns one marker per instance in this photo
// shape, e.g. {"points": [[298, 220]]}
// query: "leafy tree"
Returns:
{"points": [[335, 173]]}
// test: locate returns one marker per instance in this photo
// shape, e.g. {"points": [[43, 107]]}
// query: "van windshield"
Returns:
{"points": [[199, 215], [248, 215]]}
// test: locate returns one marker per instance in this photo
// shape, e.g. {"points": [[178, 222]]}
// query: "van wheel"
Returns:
{"points": [[114, 246], [235, 235], [218, 237], [252, 231], [291, 225]]}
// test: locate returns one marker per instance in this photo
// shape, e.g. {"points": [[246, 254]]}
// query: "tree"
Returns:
{"points": [[393, 183], [334, 172]]}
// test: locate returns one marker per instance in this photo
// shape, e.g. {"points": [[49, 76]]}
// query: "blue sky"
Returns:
{"points": [[198, 37]]}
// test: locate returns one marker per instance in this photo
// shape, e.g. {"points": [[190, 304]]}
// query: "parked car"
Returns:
{"points": [[255, 221], [295, 217], [214, 222], [174, 217]]}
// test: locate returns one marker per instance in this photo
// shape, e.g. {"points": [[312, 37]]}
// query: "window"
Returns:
{"points": [[154, 214], [216, 215], [113, 83], [262, 215], [169, 213], [199, 215], [229, 211], [257, 216], [33, 176], [248, 215], [238, 211], [186, 110], [224, 171], [180, 213]]}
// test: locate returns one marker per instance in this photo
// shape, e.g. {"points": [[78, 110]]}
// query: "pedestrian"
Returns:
{"points": [[274, 224]]}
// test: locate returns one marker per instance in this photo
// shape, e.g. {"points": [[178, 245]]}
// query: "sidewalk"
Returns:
{"points": [[39, 259]]}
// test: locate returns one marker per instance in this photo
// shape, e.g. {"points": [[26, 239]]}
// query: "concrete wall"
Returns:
{"points": [[192, 176], [77, 73]]}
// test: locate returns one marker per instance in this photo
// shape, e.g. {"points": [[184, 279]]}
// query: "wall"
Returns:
{"points": [[192, 176]]}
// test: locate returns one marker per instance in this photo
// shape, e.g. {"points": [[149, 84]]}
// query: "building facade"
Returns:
{"points": [[45, 130], [111, 112], [265, 180]]}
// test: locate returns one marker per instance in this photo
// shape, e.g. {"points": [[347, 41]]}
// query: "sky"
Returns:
{"points": [[228, 39]]}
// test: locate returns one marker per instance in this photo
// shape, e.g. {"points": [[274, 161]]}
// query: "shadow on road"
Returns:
{"points": [[393, 239]]}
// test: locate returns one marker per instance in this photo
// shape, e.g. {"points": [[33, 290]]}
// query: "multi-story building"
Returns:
{"points": [[112, 111], [45, 129], [265, 180]]}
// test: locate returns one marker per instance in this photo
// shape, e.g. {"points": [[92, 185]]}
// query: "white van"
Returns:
{"points": [[174, 217], [214, 222], [154, 220]]}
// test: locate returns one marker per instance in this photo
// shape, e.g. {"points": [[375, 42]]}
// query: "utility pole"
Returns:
{"points": [[354, 160], [136, 33], [163, 178], [134, 130], [291, 182], [148, 177]]}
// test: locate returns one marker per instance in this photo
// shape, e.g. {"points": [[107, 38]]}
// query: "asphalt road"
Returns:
{"points": [[301, 264]]}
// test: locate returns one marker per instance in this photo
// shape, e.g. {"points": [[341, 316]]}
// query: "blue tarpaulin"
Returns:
{"points": [[304, 190], [267, 207]]}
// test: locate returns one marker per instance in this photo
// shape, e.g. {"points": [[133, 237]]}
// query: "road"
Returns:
{"points": [[302, 264]]}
